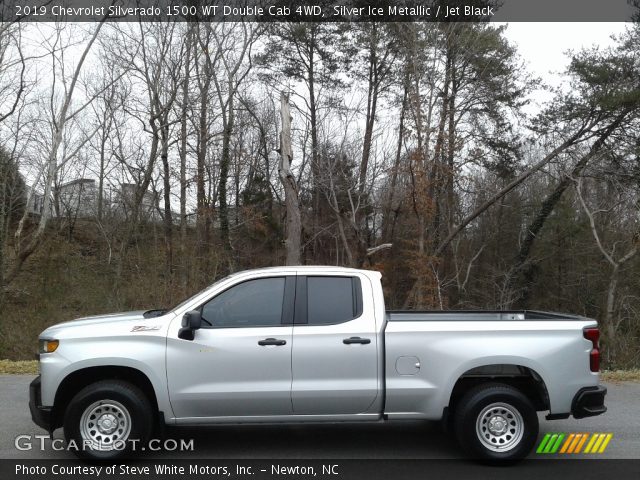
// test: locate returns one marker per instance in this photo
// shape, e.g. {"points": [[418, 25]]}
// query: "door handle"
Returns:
{"points": [[350, 340], [272, 341]]}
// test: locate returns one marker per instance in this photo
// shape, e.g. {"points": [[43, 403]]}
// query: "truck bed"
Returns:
{"points": [[427, 350], [475, 315]]}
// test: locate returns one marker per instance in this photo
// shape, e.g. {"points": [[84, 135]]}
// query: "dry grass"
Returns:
{"points": [[24, 367], [67, 280], [621, 375]]}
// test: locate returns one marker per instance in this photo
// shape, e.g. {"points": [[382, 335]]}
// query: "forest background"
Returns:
{"points": [[140, 162]]}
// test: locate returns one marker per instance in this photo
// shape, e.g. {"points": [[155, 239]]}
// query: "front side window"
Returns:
{"points": [[249, 304]]}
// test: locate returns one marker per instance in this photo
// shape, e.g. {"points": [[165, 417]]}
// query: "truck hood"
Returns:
{"points": [[96, 320]]}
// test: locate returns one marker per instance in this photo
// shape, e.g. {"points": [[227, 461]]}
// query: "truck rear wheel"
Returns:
{"points": [[107, 420], [496, 423]]}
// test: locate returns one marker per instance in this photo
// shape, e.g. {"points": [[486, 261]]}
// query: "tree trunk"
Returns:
{"points": [[168, 216], [315, 166], [372, 102], [103, 141], [360, 224], [609, 327], [183, 164], [437, 172], [293, 227], [389, 225], [4, 219], [203, 211], [224, 173], [448, 171]]}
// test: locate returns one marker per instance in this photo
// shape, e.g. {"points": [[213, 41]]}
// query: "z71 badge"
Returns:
{"points": [[145, 328]]}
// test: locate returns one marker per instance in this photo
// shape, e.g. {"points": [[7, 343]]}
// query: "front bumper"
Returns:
{"points": [[588, 402], [41, 416]]}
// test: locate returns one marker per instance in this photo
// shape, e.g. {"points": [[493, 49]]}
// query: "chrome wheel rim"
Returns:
{"points": [[105, 425], [499, 427]]}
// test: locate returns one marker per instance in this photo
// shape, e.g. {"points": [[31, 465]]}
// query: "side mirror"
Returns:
{"points": [[191, 321]]}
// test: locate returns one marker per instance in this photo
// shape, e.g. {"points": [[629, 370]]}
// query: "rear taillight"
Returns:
{"points": [[593, 334]]}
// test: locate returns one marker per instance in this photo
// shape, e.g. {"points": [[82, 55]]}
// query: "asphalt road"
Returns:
{"points": [[401, 440]]}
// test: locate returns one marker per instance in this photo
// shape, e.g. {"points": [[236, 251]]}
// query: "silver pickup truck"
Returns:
{"points": [[313, 344]]}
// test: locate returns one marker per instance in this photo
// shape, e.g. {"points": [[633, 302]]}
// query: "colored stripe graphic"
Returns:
{"points": [[598, 442], [543, 443], [607, 439], [582, 440], [568, 442], [557, 443], [590, 444], [576, 439], [550, 443], [554, 449], [573, 443]]}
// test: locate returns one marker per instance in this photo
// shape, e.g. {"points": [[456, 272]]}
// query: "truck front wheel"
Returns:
{"points": [[496, 423], [108, 420]]}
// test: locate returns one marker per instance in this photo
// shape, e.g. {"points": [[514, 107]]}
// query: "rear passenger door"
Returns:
{"points": [[334, 351]]}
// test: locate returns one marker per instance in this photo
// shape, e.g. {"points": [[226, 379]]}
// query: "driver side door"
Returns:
{"points": [[239, 362]]}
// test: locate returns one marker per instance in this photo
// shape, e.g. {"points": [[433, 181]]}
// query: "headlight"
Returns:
{"points": [[47, 346]]}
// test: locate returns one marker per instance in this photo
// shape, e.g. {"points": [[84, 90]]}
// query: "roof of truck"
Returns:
{"points": [[306, 268]]}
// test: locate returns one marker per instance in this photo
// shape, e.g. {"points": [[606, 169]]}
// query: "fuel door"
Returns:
{"points": [[408, 365]]}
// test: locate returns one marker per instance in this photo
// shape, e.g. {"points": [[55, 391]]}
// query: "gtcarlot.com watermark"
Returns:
{"points": [[44, 442]]}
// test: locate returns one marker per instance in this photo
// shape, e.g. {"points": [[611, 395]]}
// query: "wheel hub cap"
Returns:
{"points": [[499, 427], [105, 424]]}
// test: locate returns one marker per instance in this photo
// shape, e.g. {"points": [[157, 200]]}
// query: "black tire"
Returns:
{"points": [[496, 423], [122, 408]]}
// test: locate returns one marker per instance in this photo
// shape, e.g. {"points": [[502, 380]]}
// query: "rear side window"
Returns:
{"points": [[333, 300]]}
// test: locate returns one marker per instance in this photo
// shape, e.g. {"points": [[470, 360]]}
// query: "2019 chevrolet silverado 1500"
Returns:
{"points": [[314, 344]]}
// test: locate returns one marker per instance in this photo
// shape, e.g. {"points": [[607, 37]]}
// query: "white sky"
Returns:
{"points": [[544, 46]]}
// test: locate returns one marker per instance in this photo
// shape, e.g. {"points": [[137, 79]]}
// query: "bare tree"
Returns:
{"points": [[234, 43], [183, 153], [12, 69], [153, 56], [61, 115], [610, 321]]}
